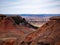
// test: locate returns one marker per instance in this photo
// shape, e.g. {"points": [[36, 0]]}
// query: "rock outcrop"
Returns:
{"points": [[15, 30], [14, 27], [48, 34]]}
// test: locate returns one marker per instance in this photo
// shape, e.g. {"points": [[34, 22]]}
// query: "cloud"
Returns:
{"points": [[30, 6]]}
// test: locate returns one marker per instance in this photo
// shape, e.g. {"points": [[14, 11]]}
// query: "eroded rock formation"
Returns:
{"points": [[14, 27], [15, 30], [48, 34]]}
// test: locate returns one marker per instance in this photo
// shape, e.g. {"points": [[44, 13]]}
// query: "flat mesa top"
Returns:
{"points": [[55, 18]]}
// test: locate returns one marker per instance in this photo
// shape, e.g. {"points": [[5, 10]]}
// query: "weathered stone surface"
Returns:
{"points": [[48, 33], [23, 34], [14, 26]]}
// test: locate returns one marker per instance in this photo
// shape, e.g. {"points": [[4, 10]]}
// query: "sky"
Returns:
{"points": [[29, 6]]}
